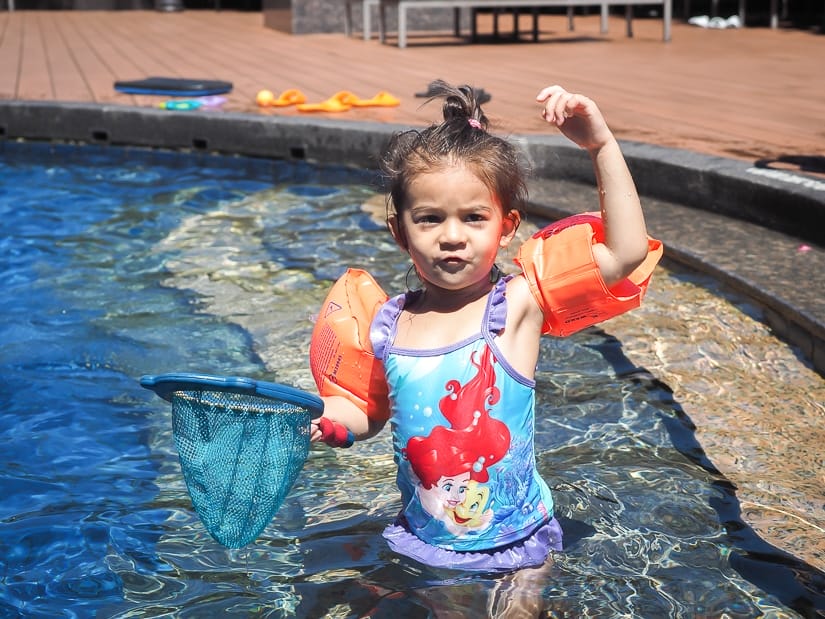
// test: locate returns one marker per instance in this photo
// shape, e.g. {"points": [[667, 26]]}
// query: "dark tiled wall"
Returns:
{"points": [[306, 16]]}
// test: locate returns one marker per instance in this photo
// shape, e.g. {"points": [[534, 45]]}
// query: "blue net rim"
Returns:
{"points": [[166, 385]]}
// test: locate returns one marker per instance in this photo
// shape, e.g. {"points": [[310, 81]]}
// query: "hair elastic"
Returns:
{"points": [[474, 123]]}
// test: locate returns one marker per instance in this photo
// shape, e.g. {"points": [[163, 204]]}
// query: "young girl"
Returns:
{"points": [[451, 365]]}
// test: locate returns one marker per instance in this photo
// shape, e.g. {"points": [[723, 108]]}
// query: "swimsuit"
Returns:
{"points": [[462, 422]]}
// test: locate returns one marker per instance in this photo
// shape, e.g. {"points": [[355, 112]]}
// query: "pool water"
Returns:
{"points": [[121, 262]]}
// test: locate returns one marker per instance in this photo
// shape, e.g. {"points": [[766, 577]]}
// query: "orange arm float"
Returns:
{"points": [[340, 353], [566, 281]]}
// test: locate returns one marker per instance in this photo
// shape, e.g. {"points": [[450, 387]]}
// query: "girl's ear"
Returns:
{"points": [[509, 225], [397, 231]]}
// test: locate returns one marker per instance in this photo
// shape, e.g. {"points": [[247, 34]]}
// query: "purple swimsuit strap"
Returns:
{"points": [[382, 329]]}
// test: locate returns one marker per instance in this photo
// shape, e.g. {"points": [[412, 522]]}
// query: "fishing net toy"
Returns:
{"points": [[241, 445]]}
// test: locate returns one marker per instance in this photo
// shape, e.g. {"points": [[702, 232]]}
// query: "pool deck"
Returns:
{"points": [[752, 96], [749, 94]]}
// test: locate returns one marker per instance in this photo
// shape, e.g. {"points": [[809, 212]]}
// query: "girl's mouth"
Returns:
{"points": [[452, 260]]}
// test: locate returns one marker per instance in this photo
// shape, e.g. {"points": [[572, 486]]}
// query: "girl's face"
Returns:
{"points": [[453, 228]]}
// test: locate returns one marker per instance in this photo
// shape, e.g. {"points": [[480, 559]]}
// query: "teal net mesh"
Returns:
{"points": [[240, 455]]}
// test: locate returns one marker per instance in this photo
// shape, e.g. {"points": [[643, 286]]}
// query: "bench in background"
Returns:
{"points": [[403, 6]]}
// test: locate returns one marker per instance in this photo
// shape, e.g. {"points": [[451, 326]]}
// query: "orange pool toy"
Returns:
{"points": [[264, 98], [339, 102], [293, 96], [382, 99]]}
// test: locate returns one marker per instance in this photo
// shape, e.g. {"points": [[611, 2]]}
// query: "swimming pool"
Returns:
{"points": [[121, 262]]}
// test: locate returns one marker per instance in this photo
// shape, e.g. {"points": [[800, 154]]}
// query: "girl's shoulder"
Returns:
{"points": [[521, 303]]}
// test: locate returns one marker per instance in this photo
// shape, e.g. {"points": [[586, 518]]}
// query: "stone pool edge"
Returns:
{"points": [[773, 200]]}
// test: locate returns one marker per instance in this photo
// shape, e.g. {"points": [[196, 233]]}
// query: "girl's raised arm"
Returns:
{"points": [[580, 120]]}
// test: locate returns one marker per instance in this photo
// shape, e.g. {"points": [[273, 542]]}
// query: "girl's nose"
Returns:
{"points": [[452, 232]]}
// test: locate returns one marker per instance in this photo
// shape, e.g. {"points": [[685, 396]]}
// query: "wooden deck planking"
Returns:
{"points": [[69, 83], [105, 56], [748, 93], [34, 80], [88, 69], [11, 41]]}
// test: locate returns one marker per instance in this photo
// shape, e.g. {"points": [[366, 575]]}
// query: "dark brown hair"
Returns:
{"points": [[461, 137]]}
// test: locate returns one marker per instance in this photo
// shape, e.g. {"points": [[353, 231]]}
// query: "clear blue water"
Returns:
{"points": [[118, 262]]}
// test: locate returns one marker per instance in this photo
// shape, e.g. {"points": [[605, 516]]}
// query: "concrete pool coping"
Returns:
{"points": [[774, 254]]}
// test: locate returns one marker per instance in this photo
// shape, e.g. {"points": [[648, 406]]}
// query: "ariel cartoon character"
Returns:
{"points": [[452, 463]]}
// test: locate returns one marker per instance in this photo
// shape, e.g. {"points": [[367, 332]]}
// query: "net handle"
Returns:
{"points": [[166, 385]]}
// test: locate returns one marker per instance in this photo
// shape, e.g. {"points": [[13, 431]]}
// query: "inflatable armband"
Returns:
{"points": [[566, 282], [340, 353]]}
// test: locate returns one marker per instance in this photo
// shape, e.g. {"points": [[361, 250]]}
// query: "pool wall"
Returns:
{"points": [[775, 254]]}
